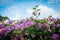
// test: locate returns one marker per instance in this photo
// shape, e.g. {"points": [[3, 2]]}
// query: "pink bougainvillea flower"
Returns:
{"points": [[55, 36]]}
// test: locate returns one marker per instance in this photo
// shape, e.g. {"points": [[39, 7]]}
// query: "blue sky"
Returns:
{"points": [[21, 9]]}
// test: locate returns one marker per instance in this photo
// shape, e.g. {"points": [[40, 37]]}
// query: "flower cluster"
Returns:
{"points": [[44, 29]]}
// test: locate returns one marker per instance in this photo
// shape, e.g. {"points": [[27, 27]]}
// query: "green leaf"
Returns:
{"points": [[38, 10], [5, 24], [36, 6]]}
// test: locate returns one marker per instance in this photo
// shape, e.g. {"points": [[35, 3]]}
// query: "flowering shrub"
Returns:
{"points": [[31, 29]]}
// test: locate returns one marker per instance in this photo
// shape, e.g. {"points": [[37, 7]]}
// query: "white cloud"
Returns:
{"points": [[51, 1], [45, 9], [54, 1], [16, 17], [13, 12], [45, 12], [29, 11], [48, 11], [13, 9]]}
